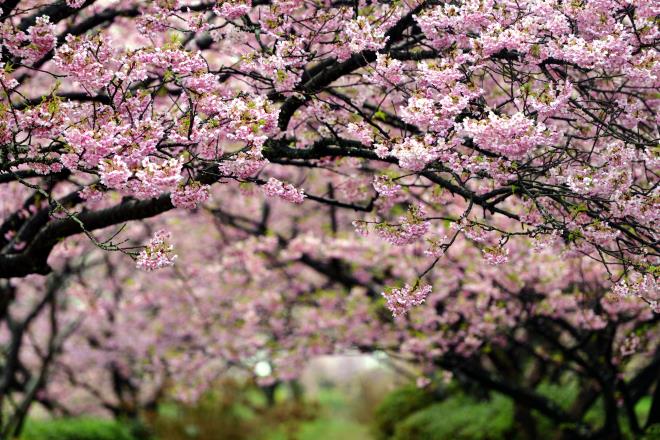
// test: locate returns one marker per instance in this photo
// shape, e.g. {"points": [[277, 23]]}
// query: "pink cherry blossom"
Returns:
{"points": [[158, 253], [285, 191], [400, 301]]}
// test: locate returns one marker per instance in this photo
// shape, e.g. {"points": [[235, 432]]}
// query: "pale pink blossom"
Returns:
{"points": [[401, 301], [285, 191], [158, 253], [190, 195]]}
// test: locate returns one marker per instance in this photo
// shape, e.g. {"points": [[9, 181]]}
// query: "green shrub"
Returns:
{"points": [[76, 429], [459, 417], [411, 414], [652, 433], [398, 405]]}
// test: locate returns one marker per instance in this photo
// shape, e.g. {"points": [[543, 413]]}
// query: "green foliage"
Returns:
{"points": [[76, 429], [398, 405], [652, 433], [565, 392], [235, 411], [411, 414], [241, 411], [458, 417], [330, 429]]}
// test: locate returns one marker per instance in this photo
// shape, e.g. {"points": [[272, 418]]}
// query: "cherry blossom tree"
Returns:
{"points": [[539, 112], [486, 170]]}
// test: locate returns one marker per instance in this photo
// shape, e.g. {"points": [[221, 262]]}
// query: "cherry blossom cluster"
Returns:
{"points": [[359, 35], [410, 228], [190, 196], [513, 137], [413, 153], [158, 253], [285, 191], [400, 301], [31, 45]]}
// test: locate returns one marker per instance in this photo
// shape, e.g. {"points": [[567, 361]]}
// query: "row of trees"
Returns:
{"points": [[470, 186], [262, 290]]}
